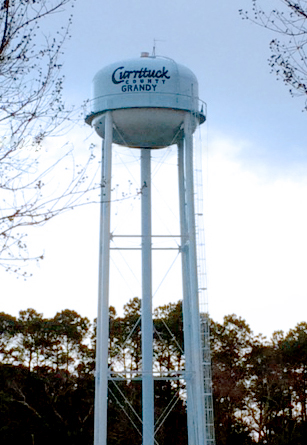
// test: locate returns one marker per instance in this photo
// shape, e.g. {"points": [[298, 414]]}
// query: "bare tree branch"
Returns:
{"points": [[31, 109], [289, 51]]}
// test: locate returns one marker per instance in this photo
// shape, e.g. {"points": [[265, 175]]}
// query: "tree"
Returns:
{"points": [[30, 338], [289, 58], [47, 380], [294, 350], [70, 329], [168, 339], [46, 390], [8, 328], [45, 407], [231, 344], [32, 109], [268, 389]]}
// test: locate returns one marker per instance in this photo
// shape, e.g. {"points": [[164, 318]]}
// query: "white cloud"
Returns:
{"points": [[256, 243]]}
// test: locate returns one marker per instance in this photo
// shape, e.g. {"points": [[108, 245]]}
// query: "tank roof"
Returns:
{"points": [[144, 82]]}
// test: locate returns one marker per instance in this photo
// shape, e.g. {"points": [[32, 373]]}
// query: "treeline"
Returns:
{"points": [[47, 380]]}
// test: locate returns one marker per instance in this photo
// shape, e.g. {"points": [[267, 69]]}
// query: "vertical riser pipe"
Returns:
{"points": [[147, 321]]}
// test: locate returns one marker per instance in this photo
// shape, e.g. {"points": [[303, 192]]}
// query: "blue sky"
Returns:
{"points": [[255, 170]]}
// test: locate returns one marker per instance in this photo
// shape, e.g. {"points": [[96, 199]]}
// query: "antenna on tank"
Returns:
{"points": [[154, 46]]}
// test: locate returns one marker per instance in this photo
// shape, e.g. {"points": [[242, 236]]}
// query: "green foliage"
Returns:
{"points": [[47, 380]]}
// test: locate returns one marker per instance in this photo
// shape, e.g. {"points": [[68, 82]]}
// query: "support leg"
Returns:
{"points": [[101, 379], [196, 351], [187, 322]]}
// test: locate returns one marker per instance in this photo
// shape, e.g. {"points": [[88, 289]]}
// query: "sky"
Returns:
{"points": [[254, 173]]}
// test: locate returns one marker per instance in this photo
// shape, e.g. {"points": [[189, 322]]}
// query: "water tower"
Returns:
{"points": [[150, 103]]}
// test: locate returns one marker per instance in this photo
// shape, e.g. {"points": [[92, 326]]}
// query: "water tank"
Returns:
{"points": [[149, 97]]}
